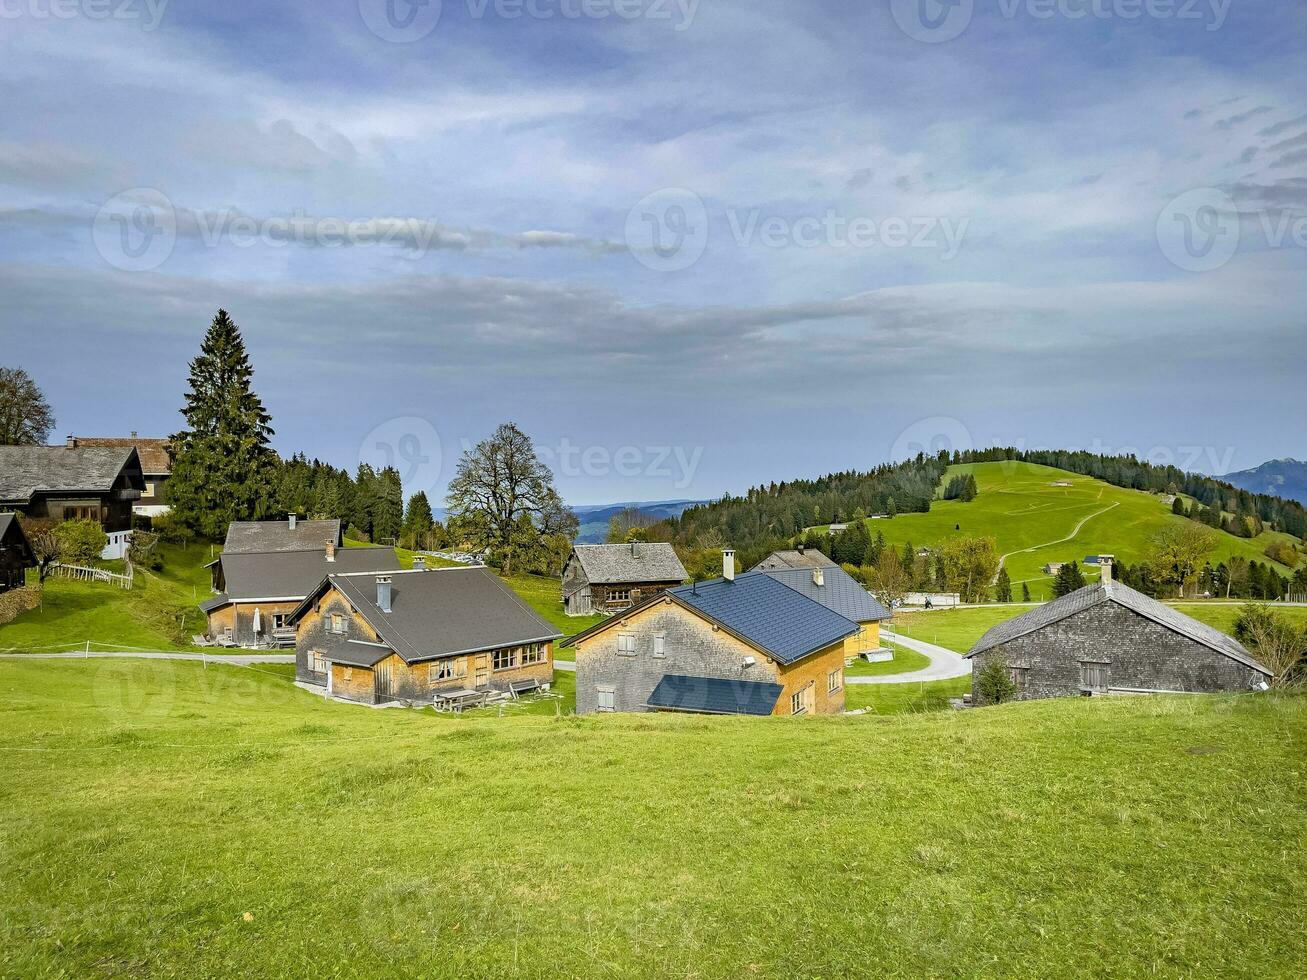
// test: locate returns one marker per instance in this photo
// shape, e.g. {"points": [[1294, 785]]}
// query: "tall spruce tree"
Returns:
{"points": [[223, 469], [1003, 586], [387, 507]]}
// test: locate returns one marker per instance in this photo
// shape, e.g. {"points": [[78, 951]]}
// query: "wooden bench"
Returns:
{"points": [[523, 687]]}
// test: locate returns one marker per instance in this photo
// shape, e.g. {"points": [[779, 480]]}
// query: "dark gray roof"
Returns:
{"points": [[217, 602], [769, 615], [652, 561], [1122, 595], [714, 695], [793, 558], [294, 574], [10, 527], [245, 536], [26, 470], [839, 591], [443, 612]]}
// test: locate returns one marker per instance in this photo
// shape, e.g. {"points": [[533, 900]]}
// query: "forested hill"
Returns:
{"points": [[769, 516]]}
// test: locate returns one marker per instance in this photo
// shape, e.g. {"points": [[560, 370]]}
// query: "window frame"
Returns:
{"points": [[626, 646], [318, 662], [449, 669], [619, 595], [609, 693], [1020, 677], [335, 618], [509, 653], [835, 681], [660, 644], [532, 655], [799, 703]]}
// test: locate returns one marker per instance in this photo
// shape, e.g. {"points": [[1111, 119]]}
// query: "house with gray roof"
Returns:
{"points": [[607, 578], [414, 636], [156, 468], [290, 534], [1108, 638], [747, 644], [839, 591], [799, 557], [74, 482]]}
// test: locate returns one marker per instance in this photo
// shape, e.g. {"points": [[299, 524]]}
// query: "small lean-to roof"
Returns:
{"points": [[793, 558], [265, 536], [651, 561], [441, 612], [839, 592], [153, 453], [28, 470], [294, 574], [1113, 591], [714, 695]]}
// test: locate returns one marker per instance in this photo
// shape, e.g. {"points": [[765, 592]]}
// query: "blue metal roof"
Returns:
{"points": [[783, 623], [839, 591], [714, 695]]}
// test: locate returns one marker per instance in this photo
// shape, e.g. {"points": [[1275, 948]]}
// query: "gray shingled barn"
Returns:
{"points": [[607, 578]]}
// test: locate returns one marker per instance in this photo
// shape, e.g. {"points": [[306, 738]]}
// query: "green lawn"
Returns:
{"points": [[1020, 509], [905, 661], [910, 698], [168, 819]]}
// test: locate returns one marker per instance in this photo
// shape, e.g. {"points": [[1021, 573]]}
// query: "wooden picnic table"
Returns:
{"points": [[455, 700]]}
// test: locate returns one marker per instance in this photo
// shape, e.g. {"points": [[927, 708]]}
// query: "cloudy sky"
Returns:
{"points": [[688, 246]]}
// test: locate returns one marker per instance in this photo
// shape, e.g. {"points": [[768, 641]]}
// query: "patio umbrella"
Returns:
{"points": [[258, 620]]}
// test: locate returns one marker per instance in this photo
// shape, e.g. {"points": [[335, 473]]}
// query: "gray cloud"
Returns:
{"points": [[1288, 193], [1282, 127], [1239, 118]]}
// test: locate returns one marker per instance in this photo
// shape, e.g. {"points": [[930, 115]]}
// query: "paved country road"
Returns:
{"points": [[241, 660]]}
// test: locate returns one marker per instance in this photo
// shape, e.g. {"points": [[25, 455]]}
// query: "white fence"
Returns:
{"points": [[81, 573]]}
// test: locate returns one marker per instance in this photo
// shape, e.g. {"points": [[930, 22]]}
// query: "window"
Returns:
{"points": [[447, 670], [626, 644], [607, 699], [279, 620], [660, 645], [533, 654], [619, 595], [317, 662], [797, 703], [505, 659], [1094, 677], [1018, 675], [337, 624], [834, 680]]}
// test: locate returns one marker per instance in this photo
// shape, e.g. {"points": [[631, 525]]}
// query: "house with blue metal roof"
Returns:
{"points": [[748, 644], [836, 589]]}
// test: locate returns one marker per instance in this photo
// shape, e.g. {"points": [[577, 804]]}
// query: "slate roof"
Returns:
{"points": [[1123, 595], [152, 452], [263, 536], [642, 562], [9, 525], [27, 470], [294, 574], [793, 558], [769, 615], [715, 695], [839, 591], [441, 612]]}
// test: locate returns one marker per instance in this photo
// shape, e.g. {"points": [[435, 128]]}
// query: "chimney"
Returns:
{"points": [[801, 549], [1105, 563], [728, 564], [133, 433], [291, 520], [331, 551], [383, 593], [70, 442], [419, 563], [818, 577]]}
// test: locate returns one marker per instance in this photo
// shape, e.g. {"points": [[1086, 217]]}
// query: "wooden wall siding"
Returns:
{"points": [[311, 634], [412, 682], [1141, 655], [13, 572], [353, 683], [693, 648], [602, 600], [240, 617]]}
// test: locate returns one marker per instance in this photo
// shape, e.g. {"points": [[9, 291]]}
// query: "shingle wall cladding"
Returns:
{"points": [[693, 648], [1142, 655], [634, 592], [311, 634]]}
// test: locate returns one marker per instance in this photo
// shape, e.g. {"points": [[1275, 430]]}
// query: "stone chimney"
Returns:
{"points": [[292, 520], [801, 548], [70, 442], [1105, 563], [728, 564], [331, 551], [383, 593], [818, 577]]}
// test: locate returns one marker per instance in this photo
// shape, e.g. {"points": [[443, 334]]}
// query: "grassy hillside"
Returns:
{"points": [[1035, 522], [166, 819]]}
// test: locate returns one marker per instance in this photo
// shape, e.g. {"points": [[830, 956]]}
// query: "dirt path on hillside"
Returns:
{"points": [[1070, 537]]}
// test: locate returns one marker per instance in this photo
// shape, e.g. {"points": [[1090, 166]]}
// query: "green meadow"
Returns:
{"points": [[167, 819], [1034, 522]]}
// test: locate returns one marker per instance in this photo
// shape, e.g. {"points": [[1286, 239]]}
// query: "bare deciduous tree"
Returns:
{"points": [[25, 416], [46, 545], [1279, 645]]}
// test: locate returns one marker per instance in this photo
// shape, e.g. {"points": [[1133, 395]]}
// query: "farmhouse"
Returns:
{"points": [[156, 468], [607, 578], [1110, 639], [1053, 567], [799, 557], [16, 554], [748, 645], [71, 482], [409, 636], [258, 590], [292, 534], [839, 591]]}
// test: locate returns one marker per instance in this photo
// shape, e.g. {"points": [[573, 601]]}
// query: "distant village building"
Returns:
{"points": [[156, 468], [74, 482], [607, 578], [1053, 567], [416, 635], [1061, 483], [798, 557], [1110, 639], [16, 555], [736, 645]]}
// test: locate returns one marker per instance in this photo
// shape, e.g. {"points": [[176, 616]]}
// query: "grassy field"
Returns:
{"points": [[167, 819], [905, 661], [1020, 508]]}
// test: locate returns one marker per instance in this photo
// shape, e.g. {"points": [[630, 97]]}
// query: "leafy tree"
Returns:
{"points": [[1003, 587], [223, 469], [994, 683], [501, 481], [891, 508], [1069, 578], [81, 541], [25, 416], [143, 550], [1177, 554], [969, 565], [1279, 645], [1299, 585], [889, 582], [1178, 508], [46, 545]]}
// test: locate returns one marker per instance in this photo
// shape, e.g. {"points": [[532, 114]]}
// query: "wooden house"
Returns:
{"points": [[799, 557], [1110, 639], [736, 645], [16, 555], [410, 636], [607, 578], [72, 482], [156, 469]]}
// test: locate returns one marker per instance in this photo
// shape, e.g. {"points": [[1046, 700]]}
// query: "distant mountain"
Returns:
{"points": [[1280, 478], [595, 517]]}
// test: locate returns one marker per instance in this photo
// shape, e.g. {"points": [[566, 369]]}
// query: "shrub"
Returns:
{"points": [[143, 552], [81, 541], [1283, 552], [170, 530], [994, 682]]}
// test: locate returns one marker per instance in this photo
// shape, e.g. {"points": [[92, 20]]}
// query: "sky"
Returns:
{"points": [[689, 246]]}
